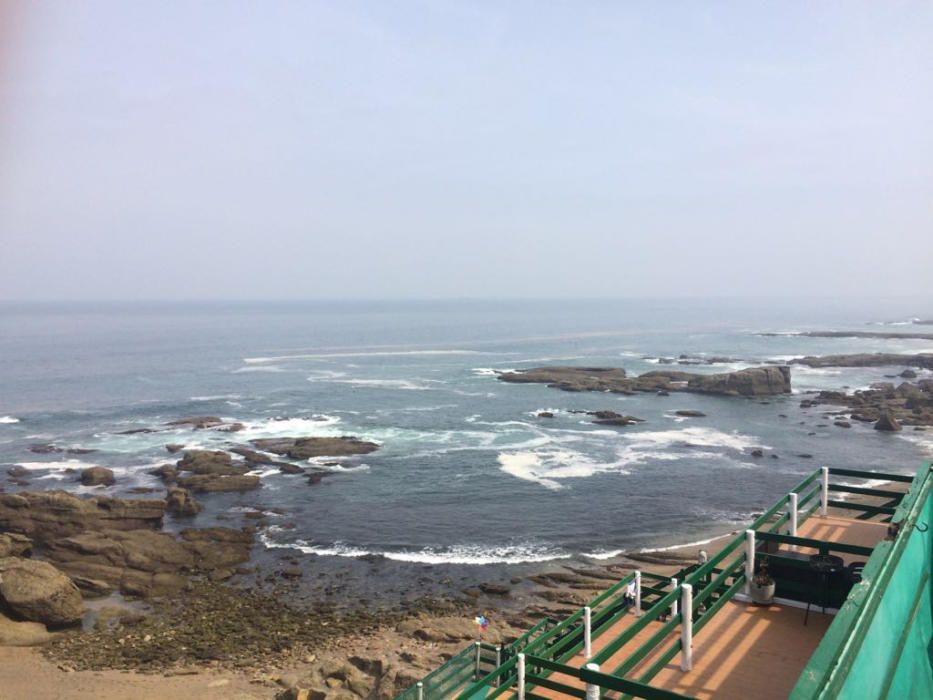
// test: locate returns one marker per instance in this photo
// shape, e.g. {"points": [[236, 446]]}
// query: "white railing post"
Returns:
{"points": [[674, 606], [498, 662], [637, 594], [420, 690], [587, 632], [476, 665], [521, 677], [824, 492], [686, 627], [793, 519], [592, 690], [749, 559]]}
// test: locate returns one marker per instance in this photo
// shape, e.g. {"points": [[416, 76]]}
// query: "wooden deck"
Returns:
{"points": [[744, 650]]}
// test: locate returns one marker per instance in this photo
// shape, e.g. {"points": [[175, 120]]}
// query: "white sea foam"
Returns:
{"points": [[55, 466], [548, 463], [403, 384], [259, 368], [8, 420], [696, 543], [314, 426], [475, 555], [218, 397], [489, 371], [375, 353]]}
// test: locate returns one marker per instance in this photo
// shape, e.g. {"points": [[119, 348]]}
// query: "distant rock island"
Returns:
{"points": [[858, 334], [755, 381]]}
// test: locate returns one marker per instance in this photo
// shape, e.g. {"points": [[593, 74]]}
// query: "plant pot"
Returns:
{"points": [[762, 595]]}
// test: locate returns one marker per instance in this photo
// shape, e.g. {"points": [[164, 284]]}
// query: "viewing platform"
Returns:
{"points": [[843, 556]]}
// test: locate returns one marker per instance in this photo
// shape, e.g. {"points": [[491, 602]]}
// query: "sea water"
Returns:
{"points": [[467, 472]]}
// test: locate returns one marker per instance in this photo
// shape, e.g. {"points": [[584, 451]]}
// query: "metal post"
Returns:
{"points": [[686, 627], [478, 651], [587, 632], [824, 493], [793, 519], [592, 690], [637, 594], [420, 690], [674, 605], [498, 662], [749, 559], [521, 677]]}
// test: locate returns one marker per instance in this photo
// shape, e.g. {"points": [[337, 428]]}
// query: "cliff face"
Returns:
{"points": [[755, 381]]}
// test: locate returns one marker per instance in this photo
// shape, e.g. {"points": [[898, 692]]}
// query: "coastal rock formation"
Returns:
{"points": [[147, 563], [857, 334], [38, 592], [755, 381], [97, 476], [874, 359], [210, 483], [180, 502], [216, 462], [887, 422], [306, 448], [47, 515], [690, 413], [905, 404]]}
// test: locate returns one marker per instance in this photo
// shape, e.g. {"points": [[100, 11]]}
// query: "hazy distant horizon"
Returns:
{"points": [[463, 150]]}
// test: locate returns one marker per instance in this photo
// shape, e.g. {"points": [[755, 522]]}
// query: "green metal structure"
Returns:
{"points": [[878, 646]]}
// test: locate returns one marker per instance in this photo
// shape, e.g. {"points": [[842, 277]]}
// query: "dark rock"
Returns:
{"points": [[690, 413], [306, 448], [887, 422], [908, 374], [213, 462], [292, 572], [44, 449], [166, 472], [18, 472], [494, 588], [97, 476], [804, 455], [210, 483], [287, 468], [842, 424], [199, 422], [180, 502], [545, 414], [174, 447], [757, 453]]}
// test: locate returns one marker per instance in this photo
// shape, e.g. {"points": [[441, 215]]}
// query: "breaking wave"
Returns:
{"points": [[8, 420]]}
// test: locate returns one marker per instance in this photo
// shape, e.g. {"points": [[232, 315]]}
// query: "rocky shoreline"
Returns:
{"points": [[755, 381]]}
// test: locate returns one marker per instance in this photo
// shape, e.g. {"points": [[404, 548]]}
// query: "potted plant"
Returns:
{"points": [[762, 585]]}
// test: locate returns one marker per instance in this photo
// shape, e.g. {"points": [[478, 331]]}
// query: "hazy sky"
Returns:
{"points": [[188, 150]]}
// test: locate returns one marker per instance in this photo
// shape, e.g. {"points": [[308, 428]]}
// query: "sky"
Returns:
{"points": [[437, 149]]}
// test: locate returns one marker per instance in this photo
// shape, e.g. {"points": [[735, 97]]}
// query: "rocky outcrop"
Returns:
{"points": [[884, 403], [876, 359], [689, 413], [887, 422], [216, 462], [755, 381], [97, 476], [147, 563], [213, 483], [306, 448], [38, 592], [47, 515], [858, 334], [180, 502]]}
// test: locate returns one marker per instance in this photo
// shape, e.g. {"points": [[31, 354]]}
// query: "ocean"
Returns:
{"points": [[467, 474]]}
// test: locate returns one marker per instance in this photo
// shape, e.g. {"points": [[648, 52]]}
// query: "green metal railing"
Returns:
{"points": [[549, 645]]}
